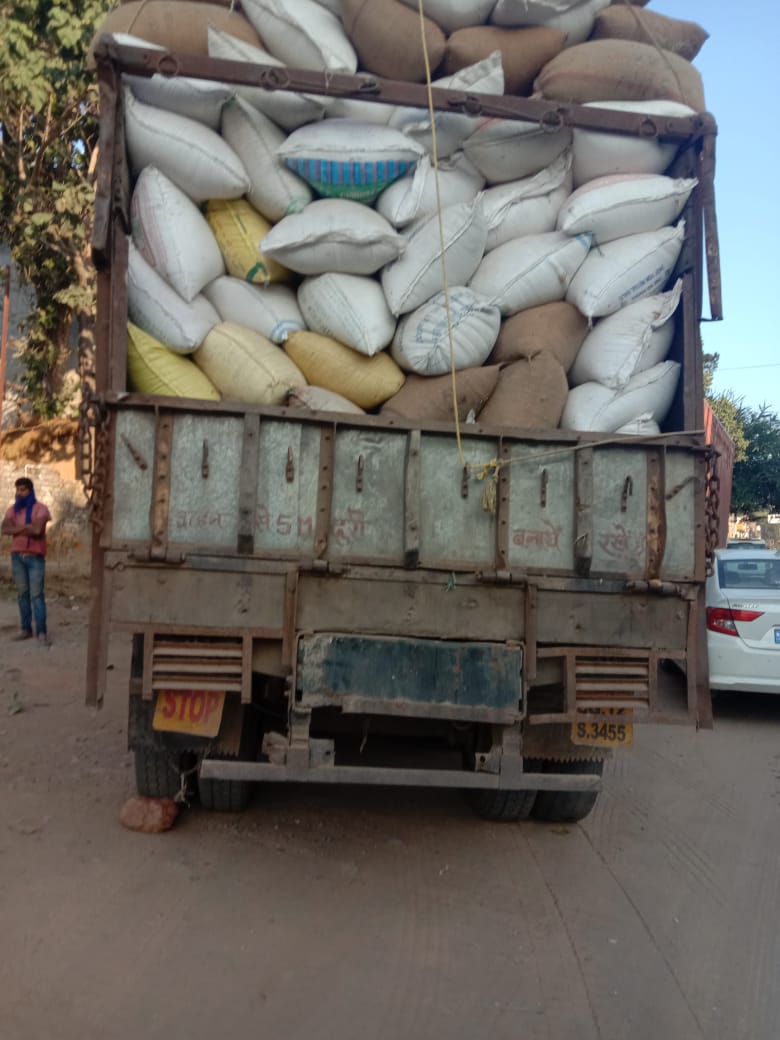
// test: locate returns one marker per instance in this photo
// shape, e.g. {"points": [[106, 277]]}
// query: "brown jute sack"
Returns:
{"points": [[530, 395], [423, 397], [553, 328], [524, 52], [179, 25], [620, 70], [386, 36], [672, 34]]}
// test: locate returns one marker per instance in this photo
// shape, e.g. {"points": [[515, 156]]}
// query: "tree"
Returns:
{"points": [[726, 407], [48, 142], [757, 477]]}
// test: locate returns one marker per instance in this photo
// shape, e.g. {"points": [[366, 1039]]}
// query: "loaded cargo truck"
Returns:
{"points": [[337, 598]]}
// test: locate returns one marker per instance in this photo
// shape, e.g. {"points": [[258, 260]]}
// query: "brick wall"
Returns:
{"points": [[69, 534]]}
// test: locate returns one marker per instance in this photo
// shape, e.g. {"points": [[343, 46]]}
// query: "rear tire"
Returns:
{"points": [[567, 806], [156, 773], [501, 806], [223, 795]]}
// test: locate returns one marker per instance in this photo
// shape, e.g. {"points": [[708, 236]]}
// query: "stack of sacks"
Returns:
{"points": [[297, 239]]}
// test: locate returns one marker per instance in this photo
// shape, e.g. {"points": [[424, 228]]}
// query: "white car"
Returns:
{"points": [[743, 621]]}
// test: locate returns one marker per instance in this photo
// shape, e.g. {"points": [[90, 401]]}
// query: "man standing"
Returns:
{"points": [[25, 521]]}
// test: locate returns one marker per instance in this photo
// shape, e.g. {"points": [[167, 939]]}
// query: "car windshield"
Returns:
{"points": [[754, 573]]}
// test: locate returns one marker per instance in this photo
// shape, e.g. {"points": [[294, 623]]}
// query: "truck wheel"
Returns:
{"points": [[223, 795], [567, 806], [156, 773], [502, 806]]}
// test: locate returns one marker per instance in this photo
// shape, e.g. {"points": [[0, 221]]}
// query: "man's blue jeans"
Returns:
{"points": [[29, 571]]}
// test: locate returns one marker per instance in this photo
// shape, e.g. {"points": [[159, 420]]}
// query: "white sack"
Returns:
{"points": [[643, 426], [334, 235], [302, 34], [273, 190], [272, 310], [285, 108], [188, 153], [626, 270], [509, 149], [350, 308], [631, 340], [173, 235], [597, 154], [576, 17], [624, 204], [418, 274], [529, 206], [530, 271], [413, 197], [594, 407], [451, 15], [158, 309], [422, 344]]}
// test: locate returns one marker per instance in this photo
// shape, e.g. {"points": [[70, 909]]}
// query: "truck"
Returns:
{"points": [[311, 597]]}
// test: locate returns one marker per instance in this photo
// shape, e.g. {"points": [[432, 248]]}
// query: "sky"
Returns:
{"points": [[739, 66]]}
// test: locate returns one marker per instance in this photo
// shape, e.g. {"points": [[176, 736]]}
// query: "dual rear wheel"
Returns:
{"points": [[547, 806]]}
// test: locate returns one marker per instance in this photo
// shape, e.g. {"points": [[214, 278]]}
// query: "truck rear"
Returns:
{"points": [[326, 597]]}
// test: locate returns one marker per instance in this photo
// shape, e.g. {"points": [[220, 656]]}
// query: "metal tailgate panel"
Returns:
{"points": [[619, 511], [367, 518], [454, 527], [205, 473], [287, 479], [133, 475], [542, 520], [684, 477]]}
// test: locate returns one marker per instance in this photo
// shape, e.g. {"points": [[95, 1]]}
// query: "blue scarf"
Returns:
{"points": [[26, 503]]}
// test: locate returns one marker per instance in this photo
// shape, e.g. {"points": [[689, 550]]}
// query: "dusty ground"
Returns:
{"points": [[367, 914]]}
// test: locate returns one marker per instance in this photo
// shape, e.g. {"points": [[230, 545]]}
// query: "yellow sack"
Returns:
{"points": [[154, 369], [245, 366], [239, 229], [366, 381]]}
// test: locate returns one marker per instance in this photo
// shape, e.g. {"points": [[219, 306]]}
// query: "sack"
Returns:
{"points": [[624, 204], [530, 395], [556, 328], [642, 426], [598, 154], [334, 235], [386, 35], [350, 160], [529, 206], [172, 234], [154, 369], [302, 33], [245, 366], [620, 70], [239, 229], [633, 339], [158, 309], [576, 19], [271, 310], [418, 274], [316, 399], [430, 399], [422, 340], [594, 407], [454, 14], [283, 107], [625, 270], [176, 25], [273, 190], [524, 52], [671, 34], [530, 271], [508, 150], [413, 197], [366, 381], [195, 158], [350, 308]]}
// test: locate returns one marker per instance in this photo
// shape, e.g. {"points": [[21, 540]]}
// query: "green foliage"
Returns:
{"points": [[48, 138], [757, 476]]}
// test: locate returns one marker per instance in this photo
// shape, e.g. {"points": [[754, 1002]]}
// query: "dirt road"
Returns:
{"points": [[370, 914]]}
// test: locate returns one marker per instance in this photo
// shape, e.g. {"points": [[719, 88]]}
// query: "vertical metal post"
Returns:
{"points": [[4, 338]]}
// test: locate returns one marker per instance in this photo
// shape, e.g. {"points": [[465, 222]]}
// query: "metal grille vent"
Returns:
{"points": [[197, 665], [612, 683]]}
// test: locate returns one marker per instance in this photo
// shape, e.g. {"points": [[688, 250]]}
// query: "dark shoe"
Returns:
{"points": [[20, 636], [43, 639]]}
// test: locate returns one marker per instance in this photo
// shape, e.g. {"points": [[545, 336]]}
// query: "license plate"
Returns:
{"points": [[604, 729], [189, 711]]}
